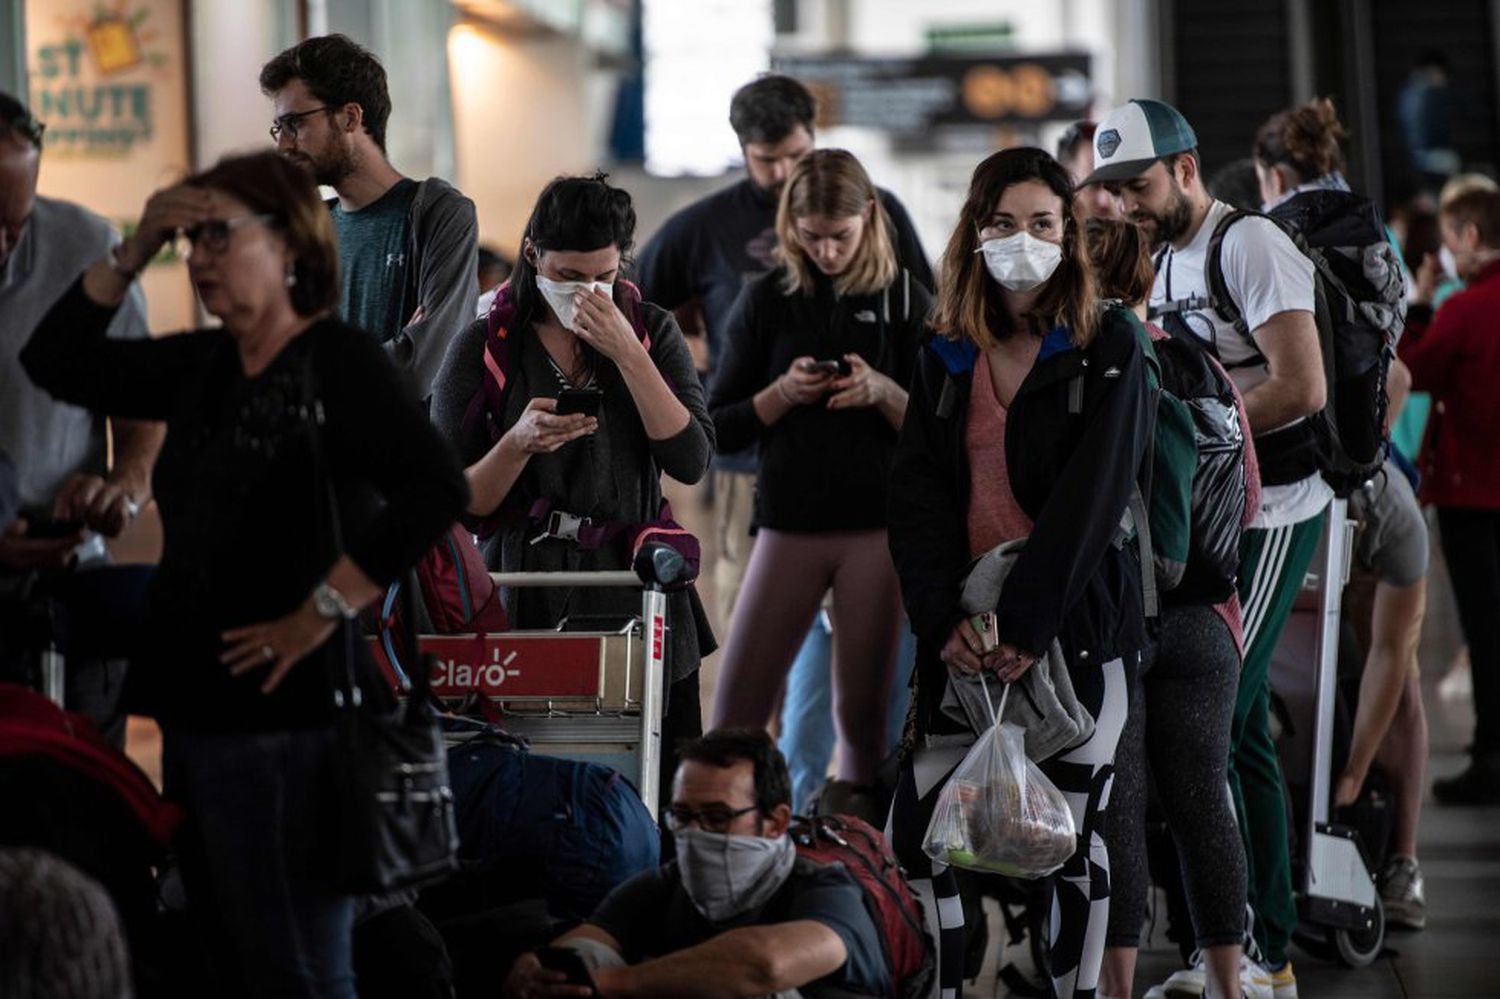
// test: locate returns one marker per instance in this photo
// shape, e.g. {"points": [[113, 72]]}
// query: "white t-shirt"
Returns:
{"points": [[1266, 274]]}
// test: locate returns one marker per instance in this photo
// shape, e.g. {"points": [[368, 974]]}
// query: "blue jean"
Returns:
{"points": [[807, 735], [255, 854]]}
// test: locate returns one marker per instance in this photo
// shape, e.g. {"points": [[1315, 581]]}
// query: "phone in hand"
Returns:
{"points": [[988, 631], [585, 401], [567, 961], [830, 366], [43, 527]]}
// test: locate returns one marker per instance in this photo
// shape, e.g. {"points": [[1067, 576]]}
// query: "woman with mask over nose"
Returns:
{"points": [[1028, 419], [820, 351], [554, 490]]}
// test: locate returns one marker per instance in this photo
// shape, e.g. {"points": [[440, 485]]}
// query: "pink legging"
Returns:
{"points": [[784, 586]]}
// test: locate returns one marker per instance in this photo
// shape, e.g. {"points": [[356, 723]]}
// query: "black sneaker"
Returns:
{"points": [[1477, 785]]}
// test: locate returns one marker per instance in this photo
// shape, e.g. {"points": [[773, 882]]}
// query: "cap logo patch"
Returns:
{"points": [[1108, 141]]}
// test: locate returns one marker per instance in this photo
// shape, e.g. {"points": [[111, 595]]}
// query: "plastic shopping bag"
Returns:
{"points": [[999, 813]]}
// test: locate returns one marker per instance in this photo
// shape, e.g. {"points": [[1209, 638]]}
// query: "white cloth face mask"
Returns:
{"points": [[1021, 262], [560, 296]]}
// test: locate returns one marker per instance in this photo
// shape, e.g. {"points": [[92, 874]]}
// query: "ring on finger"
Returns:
{"points": [[267, 653]]}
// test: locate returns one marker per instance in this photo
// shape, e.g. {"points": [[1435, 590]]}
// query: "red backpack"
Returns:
{"points": [[865, 854], [457, 594]]}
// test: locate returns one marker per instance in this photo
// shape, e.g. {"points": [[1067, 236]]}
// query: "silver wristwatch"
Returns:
{"points": [[330, 604]]}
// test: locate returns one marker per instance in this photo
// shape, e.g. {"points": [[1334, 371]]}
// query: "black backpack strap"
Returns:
{"points": [[1218, 289]]}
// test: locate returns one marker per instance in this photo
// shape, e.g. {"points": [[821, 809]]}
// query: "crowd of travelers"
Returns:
{"points": [[873, 434]]}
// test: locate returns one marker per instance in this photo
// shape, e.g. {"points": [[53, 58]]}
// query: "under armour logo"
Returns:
{"points": [[395, 259]]}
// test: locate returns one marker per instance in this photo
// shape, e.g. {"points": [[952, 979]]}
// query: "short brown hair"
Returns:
{"points": [[1482, 208], [968, 300], [270, 184], [337, 71], [831, 183], [1121, 256]]}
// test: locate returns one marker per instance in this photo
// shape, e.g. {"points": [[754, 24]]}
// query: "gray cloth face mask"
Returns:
{"points": [[727, 875]]}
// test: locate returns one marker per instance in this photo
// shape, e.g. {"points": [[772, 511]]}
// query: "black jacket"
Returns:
{"points": [[1078, 581], [820, 469]]}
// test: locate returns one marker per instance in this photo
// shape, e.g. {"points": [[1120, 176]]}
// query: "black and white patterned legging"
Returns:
{"points": [[1080, 899]]}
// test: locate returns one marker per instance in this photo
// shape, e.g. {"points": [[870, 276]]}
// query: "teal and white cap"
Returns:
{"points": [[1136, 135]]}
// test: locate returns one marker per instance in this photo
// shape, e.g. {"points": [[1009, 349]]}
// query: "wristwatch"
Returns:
{"points": [[330, 604]]}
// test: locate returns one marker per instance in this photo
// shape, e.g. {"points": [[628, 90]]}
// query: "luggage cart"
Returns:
{"points": [[594, 694], [1337, 897]]}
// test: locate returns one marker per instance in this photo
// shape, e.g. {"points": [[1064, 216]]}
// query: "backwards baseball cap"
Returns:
{"points": [[1136, 135]]}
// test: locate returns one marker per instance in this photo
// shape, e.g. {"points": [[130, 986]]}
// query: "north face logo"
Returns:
{"points": [[1109, 140]]}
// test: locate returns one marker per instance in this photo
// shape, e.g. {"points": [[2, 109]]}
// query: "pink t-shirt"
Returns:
{"points": [[994, 515]]}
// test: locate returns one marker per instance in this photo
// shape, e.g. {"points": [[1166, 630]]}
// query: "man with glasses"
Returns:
{"points": [[735, 909], [407, 249], [70, 496]]}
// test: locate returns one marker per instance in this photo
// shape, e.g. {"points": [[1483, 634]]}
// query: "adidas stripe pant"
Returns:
{"points": [[1273, 563]]}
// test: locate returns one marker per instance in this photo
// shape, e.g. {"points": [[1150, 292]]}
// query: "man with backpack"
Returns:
{"points": [[408, 250], [1146, 153], [743, 910]]}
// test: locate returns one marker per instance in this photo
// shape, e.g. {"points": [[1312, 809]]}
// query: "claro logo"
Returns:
{"points": [[467, 676]]}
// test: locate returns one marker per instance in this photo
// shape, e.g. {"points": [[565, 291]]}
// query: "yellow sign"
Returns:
{"points": [[109, 81]]}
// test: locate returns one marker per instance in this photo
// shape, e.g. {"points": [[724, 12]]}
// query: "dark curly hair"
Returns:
{"points": [[338, 72], [725, 747]]}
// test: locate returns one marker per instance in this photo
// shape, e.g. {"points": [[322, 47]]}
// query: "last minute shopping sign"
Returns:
{"points": [[910, 96]]}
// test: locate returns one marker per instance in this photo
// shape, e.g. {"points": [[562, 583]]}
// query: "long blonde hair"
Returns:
{"points": [[831, 183], [969, 306]]}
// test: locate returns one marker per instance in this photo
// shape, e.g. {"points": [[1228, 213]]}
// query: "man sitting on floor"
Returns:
{"points": [[736, 914]]}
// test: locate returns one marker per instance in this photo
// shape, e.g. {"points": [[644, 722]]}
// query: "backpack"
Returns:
{"points": [[1195, 493], [895, 911], [458, 594], [534, 826], [1360, 297]]}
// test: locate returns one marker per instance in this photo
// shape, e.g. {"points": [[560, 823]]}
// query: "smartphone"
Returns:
{"points": [[585, 401], [987, 629], [43, 527], [567, 961], [831, 366]]}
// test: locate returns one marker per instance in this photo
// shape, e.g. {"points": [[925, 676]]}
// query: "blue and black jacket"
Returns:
{"points": [[1073, 469]]}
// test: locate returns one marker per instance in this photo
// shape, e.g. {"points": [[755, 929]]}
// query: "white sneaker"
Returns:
{"points": [[1192, 983]]}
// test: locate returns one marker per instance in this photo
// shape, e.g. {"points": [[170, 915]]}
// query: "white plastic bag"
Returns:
{"points": [[999, 813]]}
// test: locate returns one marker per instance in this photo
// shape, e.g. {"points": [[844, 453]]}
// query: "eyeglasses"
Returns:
{"points": [[214, 234], [710, 818], [29, 128], [288, 123]]}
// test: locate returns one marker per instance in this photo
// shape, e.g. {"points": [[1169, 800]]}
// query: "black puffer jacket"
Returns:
{"points": [[1077, 581]]}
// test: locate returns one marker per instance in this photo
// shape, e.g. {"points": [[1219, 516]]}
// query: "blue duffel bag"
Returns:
{"points": [[543, 827]]}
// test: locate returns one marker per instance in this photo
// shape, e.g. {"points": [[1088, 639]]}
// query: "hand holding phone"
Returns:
{"points": [[835, 366], [568, 962], [585, 401]]}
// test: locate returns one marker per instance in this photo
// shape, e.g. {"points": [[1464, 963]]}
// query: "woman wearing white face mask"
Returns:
{"points": [[553, 490], [819, 354], [1028, 418]]}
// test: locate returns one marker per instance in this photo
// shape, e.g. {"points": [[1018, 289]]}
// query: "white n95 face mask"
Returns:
{"points": [[1020, 262], [559, 295]]}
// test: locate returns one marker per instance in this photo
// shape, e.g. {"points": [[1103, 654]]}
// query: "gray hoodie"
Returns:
{"points": [[1046, 706]]}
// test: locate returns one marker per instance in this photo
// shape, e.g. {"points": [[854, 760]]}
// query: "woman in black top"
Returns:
{"points": [[1023, 345], [272, 420], [819, 353], [554, 491]]}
